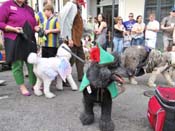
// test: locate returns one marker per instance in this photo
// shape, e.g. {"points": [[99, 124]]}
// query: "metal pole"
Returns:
{"points": [[113, 9]]}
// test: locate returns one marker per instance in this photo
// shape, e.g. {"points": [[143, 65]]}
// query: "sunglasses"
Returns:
{"points": [[130, 16]]}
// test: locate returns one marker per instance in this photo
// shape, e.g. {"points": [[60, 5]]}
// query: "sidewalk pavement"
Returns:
{"points": [[33, 113]]}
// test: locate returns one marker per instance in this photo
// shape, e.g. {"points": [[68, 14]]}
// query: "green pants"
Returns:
{"points": [[17, 69]]}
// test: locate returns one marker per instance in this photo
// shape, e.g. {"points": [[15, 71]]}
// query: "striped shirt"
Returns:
{"points": [[40, 18], [52, 38]]}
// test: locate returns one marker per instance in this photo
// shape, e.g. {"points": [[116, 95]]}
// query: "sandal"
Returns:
{"points": [[25, 92]]}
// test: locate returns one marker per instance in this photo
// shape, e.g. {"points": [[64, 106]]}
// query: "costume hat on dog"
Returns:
{"points": [[98, 54]]}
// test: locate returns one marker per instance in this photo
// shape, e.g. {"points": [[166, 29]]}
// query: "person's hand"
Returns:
{"points": [[96, 32], [37, 28], [71, 43], [47, 32], [41, 32], [18, 29]]}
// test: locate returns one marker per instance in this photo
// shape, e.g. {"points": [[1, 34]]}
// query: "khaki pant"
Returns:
{"points": [[167, 42]]}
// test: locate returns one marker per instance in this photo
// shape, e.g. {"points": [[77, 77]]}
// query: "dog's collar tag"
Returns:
{"points": [[89, 89]]}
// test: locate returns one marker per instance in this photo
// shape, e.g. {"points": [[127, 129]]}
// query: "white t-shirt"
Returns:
{"points": [[138, 27], [152, 25]]}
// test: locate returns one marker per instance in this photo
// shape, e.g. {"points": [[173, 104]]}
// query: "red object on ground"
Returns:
{"points": [[155, 114], [161, 109]]}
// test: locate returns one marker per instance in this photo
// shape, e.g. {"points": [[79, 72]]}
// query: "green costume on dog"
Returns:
{"points": [[105, 58]]}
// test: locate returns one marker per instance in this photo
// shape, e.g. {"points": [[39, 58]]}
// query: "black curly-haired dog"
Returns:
{"points": [[100, 76]]}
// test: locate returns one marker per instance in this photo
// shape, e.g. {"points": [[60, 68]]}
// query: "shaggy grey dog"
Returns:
{"points": [[140, 60]]}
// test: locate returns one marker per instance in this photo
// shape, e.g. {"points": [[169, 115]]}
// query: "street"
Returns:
{"points": [[33, 113]]}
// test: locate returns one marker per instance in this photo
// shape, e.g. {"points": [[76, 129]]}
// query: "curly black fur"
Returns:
{"points": [[87, 117], [100, 76]]}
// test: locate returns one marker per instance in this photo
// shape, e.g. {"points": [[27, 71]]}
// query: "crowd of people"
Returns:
{"points": [[136, 32], [20, 23]]}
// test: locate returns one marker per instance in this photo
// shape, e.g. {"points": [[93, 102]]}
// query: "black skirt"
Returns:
{"points": [[20, 48]]}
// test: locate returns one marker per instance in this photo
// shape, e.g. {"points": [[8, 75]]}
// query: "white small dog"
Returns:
{"points": [[47, 69]]}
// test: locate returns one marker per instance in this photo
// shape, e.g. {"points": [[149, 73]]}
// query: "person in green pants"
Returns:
{"points": [[19, 38]]}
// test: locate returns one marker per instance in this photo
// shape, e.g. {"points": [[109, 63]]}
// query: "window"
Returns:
{"points": [[98, 2], [161, 8], [107, 11]]}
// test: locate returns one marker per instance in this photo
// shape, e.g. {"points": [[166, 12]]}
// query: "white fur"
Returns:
{"points": [[47, 69], [172, 58]]}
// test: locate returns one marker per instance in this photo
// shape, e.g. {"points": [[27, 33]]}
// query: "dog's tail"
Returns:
{"points": [[32, 58]]}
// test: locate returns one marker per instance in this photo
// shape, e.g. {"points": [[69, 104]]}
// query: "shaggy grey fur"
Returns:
{"points": [[151, 61]]}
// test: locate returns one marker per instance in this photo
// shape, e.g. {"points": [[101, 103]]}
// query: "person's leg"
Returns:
{"points": [[142, 41], [51, 51], [120, 44], [26, 74], [137, 41], [17, 70], [115, 44], [133, 41], [32, 77], [72, 60], [165, 42], [154, 42], [79, 64], [44, 52]]}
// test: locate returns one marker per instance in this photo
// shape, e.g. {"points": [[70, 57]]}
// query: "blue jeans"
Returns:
{"points": [[118, 45], [138, 41]]}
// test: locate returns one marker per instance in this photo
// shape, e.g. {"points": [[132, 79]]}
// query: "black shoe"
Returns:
{"points": [[66, 84], [80, 80]]}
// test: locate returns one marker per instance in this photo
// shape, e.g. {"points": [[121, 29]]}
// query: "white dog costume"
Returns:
{"points": [[47, 69]]}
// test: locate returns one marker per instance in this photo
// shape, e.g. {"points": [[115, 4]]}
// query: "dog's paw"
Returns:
{"points": [[133, 81], [50, 95], [106, 125], [74, 89], [86, 119], [38, 92], [151, 84]]}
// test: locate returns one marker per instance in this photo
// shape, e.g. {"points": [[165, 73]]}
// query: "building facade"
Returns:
{"points": [[123, 7]]}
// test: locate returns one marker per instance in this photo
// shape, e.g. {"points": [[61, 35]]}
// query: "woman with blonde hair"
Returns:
{"points": [[119, 31]]}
